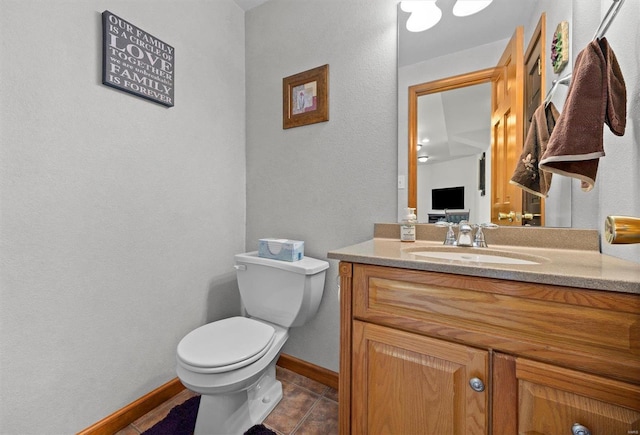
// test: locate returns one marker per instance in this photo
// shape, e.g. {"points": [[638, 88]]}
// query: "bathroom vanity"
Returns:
{"points": [[547, 345]]}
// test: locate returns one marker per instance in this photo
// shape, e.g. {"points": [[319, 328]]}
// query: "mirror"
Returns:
{"points": [[449, 125], [451, 71]]}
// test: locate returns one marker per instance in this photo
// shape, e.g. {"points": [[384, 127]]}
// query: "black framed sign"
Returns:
{"points": [[136, 62]]}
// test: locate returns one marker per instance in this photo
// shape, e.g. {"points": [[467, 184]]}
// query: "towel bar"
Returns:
{"points": [[554, 85], [608, 19]]}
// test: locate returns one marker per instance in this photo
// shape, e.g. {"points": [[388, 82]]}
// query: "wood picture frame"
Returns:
{"points": [[305, 97]]}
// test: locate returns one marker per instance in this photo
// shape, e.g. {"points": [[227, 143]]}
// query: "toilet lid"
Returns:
{"points": [[226, 344]]}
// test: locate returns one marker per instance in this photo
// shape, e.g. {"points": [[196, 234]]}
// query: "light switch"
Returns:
{"points": [[400, 181]]}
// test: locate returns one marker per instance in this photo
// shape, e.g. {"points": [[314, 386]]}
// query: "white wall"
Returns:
{"points": [[325, 183], [119, 217]]}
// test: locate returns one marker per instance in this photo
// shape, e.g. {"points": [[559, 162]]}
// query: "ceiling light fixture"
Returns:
{"points": [[424, 14], [423, 159], [464, 8]]}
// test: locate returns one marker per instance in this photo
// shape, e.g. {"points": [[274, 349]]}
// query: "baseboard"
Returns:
{"points": [[130, 413], [311, 371]]}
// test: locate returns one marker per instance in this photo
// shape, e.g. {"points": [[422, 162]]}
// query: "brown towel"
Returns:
{"points": [[527, 175], [616, 114], [597, 94]]}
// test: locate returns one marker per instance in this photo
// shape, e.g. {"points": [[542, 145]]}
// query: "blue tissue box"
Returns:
{"points": [[281, 249]]}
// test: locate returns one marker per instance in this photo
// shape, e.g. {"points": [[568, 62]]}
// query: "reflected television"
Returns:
{"points": [[448, 198]]}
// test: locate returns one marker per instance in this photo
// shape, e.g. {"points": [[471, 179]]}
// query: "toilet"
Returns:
{"points": [[232, 362]]}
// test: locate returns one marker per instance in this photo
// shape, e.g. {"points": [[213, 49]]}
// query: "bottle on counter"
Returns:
{"points": [[408, 227]]}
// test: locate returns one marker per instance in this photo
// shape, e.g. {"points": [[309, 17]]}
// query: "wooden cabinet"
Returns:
{"points": [[553, 399], [547, 356]]}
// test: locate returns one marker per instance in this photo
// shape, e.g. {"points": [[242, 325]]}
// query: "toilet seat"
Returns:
{"points": [[225, 345]]}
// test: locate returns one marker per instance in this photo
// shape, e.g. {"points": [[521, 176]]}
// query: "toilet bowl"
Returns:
{"points": [[232, 362]]}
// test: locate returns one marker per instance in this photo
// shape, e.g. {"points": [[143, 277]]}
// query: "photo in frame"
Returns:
{"points": [[305, 97]]}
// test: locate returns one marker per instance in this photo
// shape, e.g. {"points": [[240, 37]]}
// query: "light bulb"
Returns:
{"points": [[464, 8], [424, 14]]}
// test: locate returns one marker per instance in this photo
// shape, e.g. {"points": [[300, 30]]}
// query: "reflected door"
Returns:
{"points": [[507, 132], [534, 62]]}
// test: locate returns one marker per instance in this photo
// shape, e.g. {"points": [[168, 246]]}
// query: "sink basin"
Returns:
{"points": [[476, 255]]}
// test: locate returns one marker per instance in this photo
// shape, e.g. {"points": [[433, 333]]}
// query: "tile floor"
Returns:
{"points": [[307, 408]]}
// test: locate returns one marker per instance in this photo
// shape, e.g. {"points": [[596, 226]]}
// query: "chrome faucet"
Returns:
{"points": [[465, 234]]}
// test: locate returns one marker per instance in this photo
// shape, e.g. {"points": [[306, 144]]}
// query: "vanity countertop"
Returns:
{"points": [[579, 266]]}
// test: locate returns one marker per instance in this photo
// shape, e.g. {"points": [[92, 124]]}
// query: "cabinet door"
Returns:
{"points": [[404, 383], [553, 399]]}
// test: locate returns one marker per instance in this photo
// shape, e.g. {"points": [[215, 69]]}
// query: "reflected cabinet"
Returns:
{"points": [[434, 353]]}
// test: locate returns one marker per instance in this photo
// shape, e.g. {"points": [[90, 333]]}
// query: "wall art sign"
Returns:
{"points": [[305, 97], [136, 62]]}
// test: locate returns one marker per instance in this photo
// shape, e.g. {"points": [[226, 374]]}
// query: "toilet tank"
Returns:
{"points": [[281, 292]]}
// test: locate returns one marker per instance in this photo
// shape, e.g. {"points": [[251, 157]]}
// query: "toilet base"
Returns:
{"points": [[234, 413]]}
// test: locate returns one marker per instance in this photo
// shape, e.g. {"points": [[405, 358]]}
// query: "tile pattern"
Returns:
{"points": [[307, 408]]}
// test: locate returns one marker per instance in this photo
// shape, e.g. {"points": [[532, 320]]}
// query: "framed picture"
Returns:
{"points": [[305, 97], [481, 175]]}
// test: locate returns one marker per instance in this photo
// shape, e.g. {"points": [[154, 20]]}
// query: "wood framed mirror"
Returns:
{"points": [[418, 91], [508, 81]]}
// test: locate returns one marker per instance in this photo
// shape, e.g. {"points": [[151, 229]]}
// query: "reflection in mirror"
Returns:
{"points": [[452, 129], [440, 63]]}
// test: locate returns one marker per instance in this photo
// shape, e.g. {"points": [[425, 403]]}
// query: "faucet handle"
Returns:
{"points": [[445, 224], [478, 240], [450, 238], [489, 225]]}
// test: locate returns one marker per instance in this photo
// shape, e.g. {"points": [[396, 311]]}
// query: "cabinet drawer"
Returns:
{"points": [[551, 400], [584, 329]]}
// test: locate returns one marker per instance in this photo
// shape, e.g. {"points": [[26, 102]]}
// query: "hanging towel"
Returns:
{"points": [[616, 113], [597, 95], [527, 175]]}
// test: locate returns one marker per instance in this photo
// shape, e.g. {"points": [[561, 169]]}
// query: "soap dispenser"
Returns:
{"points": [[408, 227]]}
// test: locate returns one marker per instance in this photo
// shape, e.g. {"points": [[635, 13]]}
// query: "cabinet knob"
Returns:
{"points": [[478, 385], [578, 429]]}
